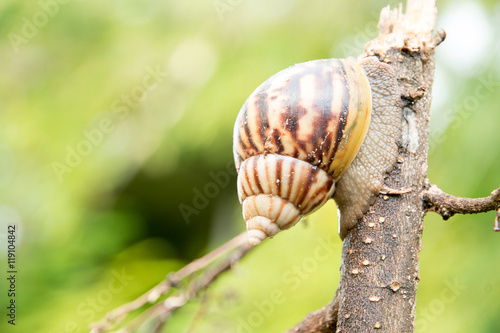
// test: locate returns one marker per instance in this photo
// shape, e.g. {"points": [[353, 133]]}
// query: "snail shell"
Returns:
{"points": [[294, 138]]}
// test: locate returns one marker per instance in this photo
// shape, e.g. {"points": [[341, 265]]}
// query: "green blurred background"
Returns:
{"points": [[115, 114]]}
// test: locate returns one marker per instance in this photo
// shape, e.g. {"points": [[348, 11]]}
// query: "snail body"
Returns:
{"points": [[316, 130]]}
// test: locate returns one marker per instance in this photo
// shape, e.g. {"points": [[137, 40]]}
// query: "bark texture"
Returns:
{"points": [[448, 205], [379, 272]]}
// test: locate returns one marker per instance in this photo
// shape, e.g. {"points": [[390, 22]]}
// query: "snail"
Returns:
{"points": [[317, 130]]}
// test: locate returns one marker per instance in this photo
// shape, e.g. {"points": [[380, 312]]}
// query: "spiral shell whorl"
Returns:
{"points": [[275, 191], [317, 111], [294, 137]]}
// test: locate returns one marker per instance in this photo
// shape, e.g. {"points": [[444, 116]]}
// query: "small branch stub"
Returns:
{"points": [[497, 219], [446, 205]]}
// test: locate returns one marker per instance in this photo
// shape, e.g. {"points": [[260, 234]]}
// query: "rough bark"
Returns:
{"points": [[379, 272]]}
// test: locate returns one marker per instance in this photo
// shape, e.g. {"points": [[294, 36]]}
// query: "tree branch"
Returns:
{"points": [[379, 272], [238, 245], [446, 205], [160, 312]]}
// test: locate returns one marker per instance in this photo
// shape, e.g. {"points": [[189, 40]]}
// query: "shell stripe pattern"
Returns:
{"points": [[294, 137], [290, 179], [306, 112]]}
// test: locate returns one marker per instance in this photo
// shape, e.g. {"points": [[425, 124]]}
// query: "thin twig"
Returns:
{"points": [[159, 327], [446, 205], [200, 314], [140, 319], [174, 302], [116, 316]]}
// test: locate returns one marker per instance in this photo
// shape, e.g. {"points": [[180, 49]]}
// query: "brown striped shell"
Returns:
{"points": [[294, 137]]}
